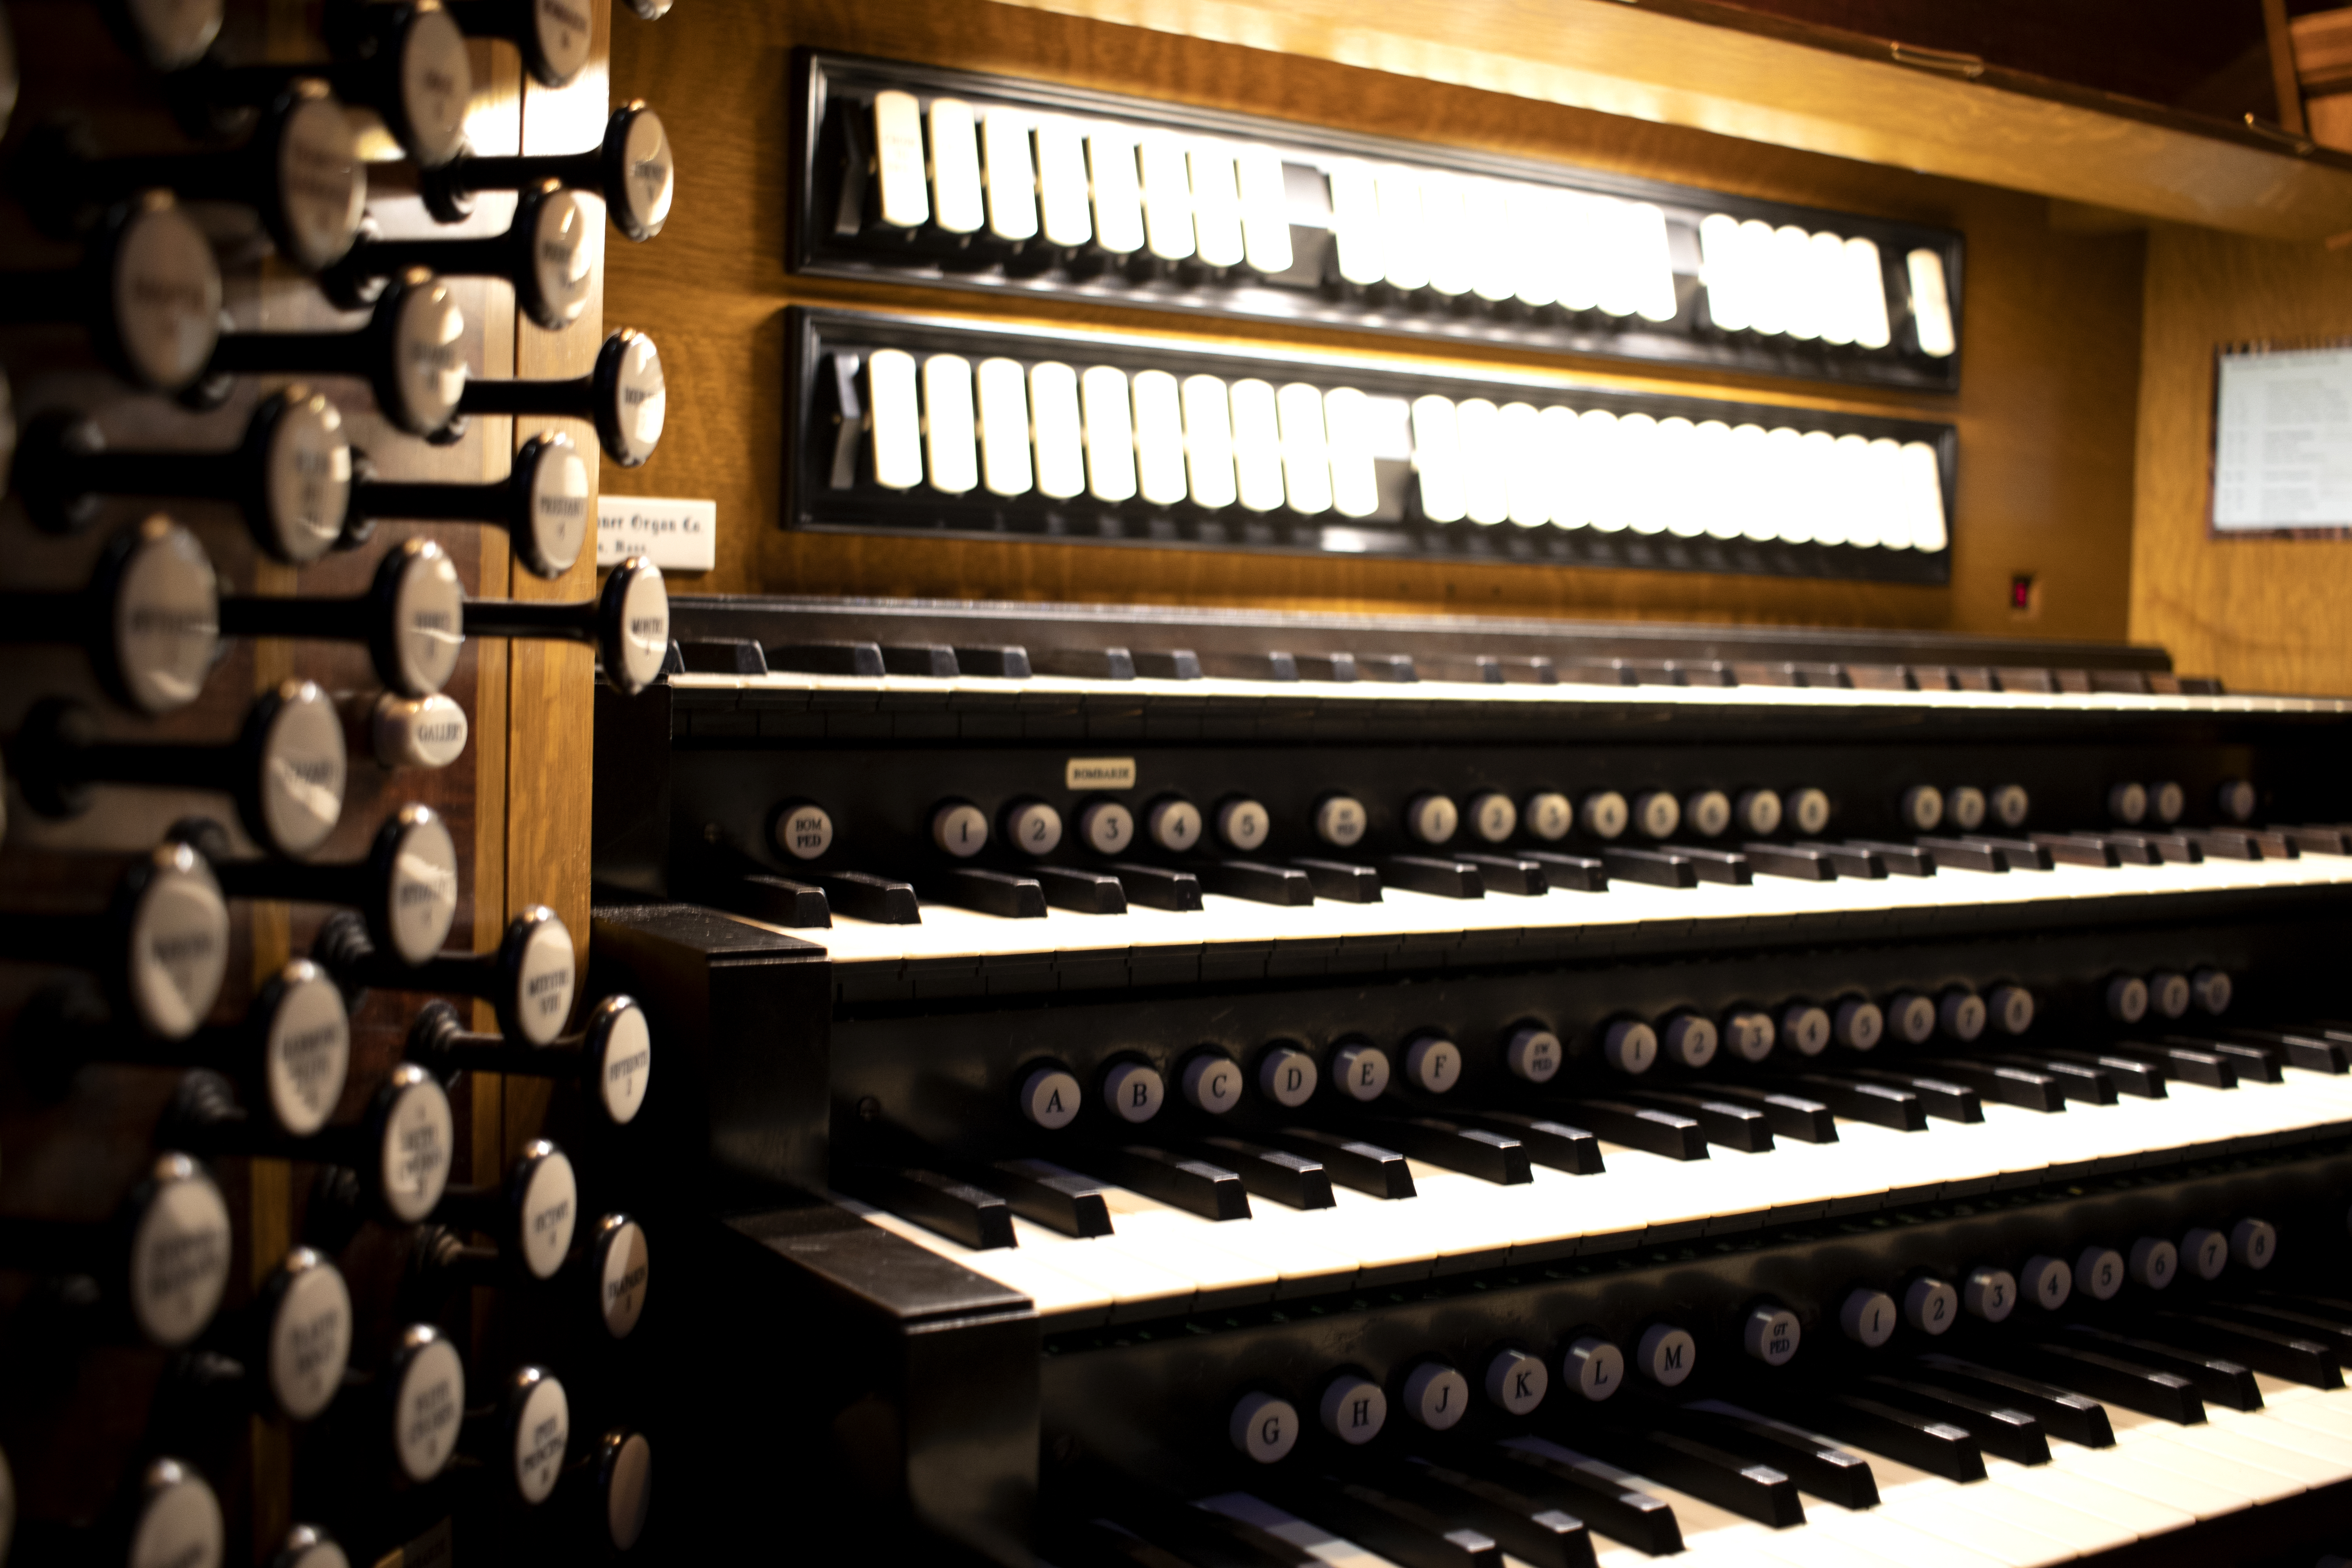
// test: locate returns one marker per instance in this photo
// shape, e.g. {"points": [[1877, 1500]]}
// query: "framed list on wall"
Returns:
{"points": [[2281, 460]]}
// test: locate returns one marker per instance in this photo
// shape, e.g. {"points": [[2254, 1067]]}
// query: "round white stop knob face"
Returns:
{"points": [[804, 831], [1212, 1082], [423, 896], [628, 1490], [1034, 827], [1630, 1045], [2010, 1008], [428, 1403], [1931, 1306], [1809, 811], [1593, 1366], [1262, 1426], [1708, 812], [1690, 1040], [1243, 825], [2252, 1243], [961, 829], [1361, 1071], [2154, 1262], [1910, 1017], [179, 1521], [1961, 1014], [2100, 1272], [1431, 818], [1666, 1355], [1806, 1027], [1049, 1097], [2127, 803], [1760, 812], [1516, 1381], [1549, 814], [628, 1270], [417, 731], [2127, 998], [1990, 1294], [1965, 806], [545, 979], [1340, 821], [1432, 1064], [1751, 1036], [2168, 993], [309, 1339], [1605, 813], [1107, 827], [1867, 1317], [625, 1070], [1435, 1396], [2212, 990], [1134, 1091], [542, 1432], [420, 1143], [2167, 801], [1174, 825], [1353, 1409], [1533, 1054], [2235, 800], [1659, 814], [2046, 1281], [551, 1210], [2010, 805], [181, 1250], [2205, 1252], [1286, 1075], [304, 768], [307, 1050], [1492, 817], [1860, 1025], [1923, 808], [1770, 1334]]}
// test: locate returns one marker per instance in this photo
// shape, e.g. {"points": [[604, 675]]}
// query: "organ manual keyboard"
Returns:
{"points": [[1265, 1088]]}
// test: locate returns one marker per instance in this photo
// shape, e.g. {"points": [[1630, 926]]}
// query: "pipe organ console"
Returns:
{"points": [[326, 1214]]}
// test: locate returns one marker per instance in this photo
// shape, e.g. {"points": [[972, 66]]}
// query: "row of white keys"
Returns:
{"points": [[1785, 283]]}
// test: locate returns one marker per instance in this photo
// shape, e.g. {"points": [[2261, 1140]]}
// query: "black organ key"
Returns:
{"points": [[1653, 867], [859, 659], [928, 660], [2189, 1066], [1733, 1125], [1445, 878], [1947, 1100], [1655, 1132], [161, 949], [1167, 663], [1085, 663], [1788, 1115], [634, 169], [1880, 1104], [862, 895], [2222, 845], [162, 1261], [1332, 667], [405, 61], [1195, 1186], [2002, 1430], [2128, 848], [401, 1150], [1576, 873], [2148, 1390], [2256, 1063], [1088, 892], [1929, 1442], [290, 476], [1729, 868], [1711, 1474], [299, 170], [1353, 1163], [542, 504], [1472, 1151], [611, 1058], [2225, 1382], [1527, 1528], [957, 1210], [2071, 1081], [147, 620], [2126, 1075], [1098, 1543], [1341, 881], [624, 397], [2315, 840], [2078, 850], [1257, 882], [1249, 666], [529, 979], [2301, 1357], [1049, 1194], [1958, 855], [1813, 1461], [405, 890], [1581, 1487], [410, 353], [1158, 887], [147, 292], [627, 623], [1804, 862], [777, 900], [1400, 1528], [2311, 1054], [999, 893], [2282, 1315], [2171, 848], [2017, 854], [1897, 860], [1553, 1144], [2075, 1417], [995, 662], [1513, 874], [545, 254], [2000, 1082], [1275, 1173]]}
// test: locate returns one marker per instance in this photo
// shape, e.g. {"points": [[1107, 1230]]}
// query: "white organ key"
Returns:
{"points": [[1445, 219], [1931, 304], [1866, 294], [1891, 528], [1524, 465], [898, 160], [955, 167], [1537, 226], [1305, 455], [1062, 195], [1605, 477], [1004, 428], [1768, 310], [1494, 263], [1060, 440], [947, 423], [1650, 263], [1714, 478], [1216, 205], [1923, 494], [1167, 195], [1208, 441], [1747, 459], [1788, 509], [1562, 438], [1258, 445], [1119, 203], [1793, 258], [1356, 222], [1437, 458], [1009, 175], [1486, 498], [1675, 477], [1722, 270], [1404, 233], [1159, 438], [1110, 433], [1581, 245], [896, 417], [1825, 281], [1264, 210], [1637, 473], [1846, 517], [1347, 422]]}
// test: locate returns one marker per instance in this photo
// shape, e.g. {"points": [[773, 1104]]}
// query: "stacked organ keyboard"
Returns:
{"points": [[1234, 1088], [323, 1236]]}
